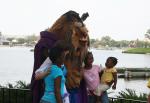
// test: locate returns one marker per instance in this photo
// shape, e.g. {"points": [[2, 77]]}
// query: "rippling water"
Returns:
{"points": [[15, 64], [124, 60]]}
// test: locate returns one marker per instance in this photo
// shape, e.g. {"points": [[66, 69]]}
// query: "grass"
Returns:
{"points": [[137, 50]]}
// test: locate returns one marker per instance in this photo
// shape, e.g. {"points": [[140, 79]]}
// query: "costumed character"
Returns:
{"points": [[70, 28]]}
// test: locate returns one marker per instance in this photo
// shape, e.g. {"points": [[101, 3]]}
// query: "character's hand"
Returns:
{"points": [[77, 78], [72, 82], [48, 71], [114, 87], [73, 79], [41, 75], [69, 81]]}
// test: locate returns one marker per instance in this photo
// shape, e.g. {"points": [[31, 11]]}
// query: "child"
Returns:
{"points": [[108, 75], [55, 81], [44, 69], [91, 75]]}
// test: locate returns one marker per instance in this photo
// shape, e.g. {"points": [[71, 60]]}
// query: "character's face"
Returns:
{"points": [[70, 28], [80, 37]]}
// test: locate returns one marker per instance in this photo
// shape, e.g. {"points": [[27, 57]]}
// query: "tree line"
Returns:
{"points": [[107, 41]]}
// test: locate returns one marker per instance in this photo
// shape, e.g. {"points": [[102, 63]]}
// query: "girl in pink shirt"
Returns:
{"points": [[91, 75]]}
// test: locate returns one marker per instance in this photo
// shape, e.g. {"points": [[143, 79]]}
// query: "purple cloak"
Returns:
{"points": [[47, 40]]}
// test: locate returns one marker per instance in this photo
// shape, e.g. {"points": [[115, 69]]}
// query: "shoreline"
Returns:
{"points": [[137, 51]]}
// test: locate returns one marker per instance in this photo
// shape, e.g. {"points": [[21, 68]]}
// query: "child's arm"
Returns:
{"points": [[100, 74], [115, 80], [57, 87]]}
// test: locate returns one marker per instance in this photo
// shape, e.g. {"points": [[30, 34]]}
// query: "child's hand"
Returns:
{"points": [[90, 92], [114, 87], [48, 71]]}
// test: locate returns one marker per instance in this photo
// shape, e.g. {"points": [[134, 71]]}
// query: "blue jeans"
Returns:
{"points": [[91, 99], [104, 97]]}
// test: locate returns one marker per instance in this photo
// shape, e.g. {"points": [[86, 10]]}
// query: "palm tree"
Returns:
{"points": [[18, 85], [131, 94]]}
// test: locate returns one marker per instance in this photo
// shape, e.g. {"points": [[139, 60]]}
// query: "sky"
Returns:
{"points": [[119, 19]]}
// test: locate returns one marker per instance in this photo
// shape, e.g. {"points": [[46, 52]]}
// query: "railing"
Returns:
{"points": [[8, 95], [123, 100]]}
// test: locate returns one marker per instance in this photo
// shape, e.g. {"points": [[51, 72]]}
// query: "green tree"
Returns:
{"points": [[31, 39], [105, 40], [10, 38], [21, 40], [92, 41], [147, 35]]}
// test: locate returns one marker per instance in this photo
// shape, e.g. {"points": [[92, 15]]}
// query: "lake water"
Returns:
{"points": [[124, 59], [16, 63]]}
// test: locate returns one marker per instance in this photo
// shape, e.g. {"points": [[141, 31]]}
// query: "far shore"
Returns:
{"points": [[137, 51]]}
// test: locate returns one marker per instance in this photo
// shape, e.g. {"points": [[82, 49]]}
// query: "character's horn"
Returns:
{"points": [[71, 15], [84, 16]]}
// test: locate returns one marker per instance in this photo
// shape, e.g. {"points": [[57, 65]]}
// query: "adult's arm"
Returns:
{"points": [[41, 75]]}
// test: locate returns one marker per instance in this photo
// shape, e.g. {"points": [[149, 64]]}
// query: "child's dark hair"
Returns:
{"points": [[86, 57], [55, 53], [114, 60], [62, 44]]}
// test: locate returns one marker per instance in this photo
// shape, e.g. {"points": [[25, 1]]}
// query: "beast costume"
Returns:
{"points": [[70, 28]]}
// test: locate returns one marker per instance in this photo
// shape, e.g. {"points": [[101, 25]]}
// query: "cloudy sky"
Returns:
{"points": [[119, 19]]}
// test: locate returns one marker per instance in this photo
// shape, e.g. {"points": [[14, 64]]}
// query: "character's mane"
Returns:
{"points": [[65, 25], [70, 27]]}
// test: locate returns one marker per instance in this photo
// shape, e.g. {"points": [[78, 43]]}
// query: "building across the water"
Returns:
{"points": [[3, 40]]}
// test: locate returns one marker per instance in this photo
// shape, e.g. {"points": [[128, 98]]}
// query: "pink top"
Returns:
{"points": [[91, 77]]}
